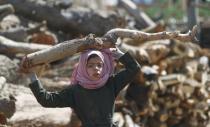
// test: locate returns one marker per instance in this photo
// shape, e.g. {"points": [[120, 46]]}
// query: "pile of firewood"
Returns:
{"points": [[174, 91], [172, 88]]}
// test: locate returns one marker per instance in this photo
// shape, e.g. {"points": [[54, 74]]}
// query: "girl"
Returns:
{"points": [[94, 87]]}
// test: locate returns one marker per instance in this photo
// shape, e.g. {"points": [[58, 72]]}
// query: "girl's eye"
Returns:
{"points": [[89, 65], [99, 65]]}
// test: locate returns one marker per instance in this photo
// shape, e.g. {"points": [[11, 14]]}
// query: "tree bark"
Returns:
{"points": [[9, 46], [71, 47], [139, 35], [18, 34], [73, 21], [64, 49]]}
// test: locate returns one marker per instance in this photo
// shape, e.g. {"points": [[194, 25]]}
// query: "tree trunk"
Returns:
{"points": [[9, 46], [67, 48], [71, 47], [73, 21]]}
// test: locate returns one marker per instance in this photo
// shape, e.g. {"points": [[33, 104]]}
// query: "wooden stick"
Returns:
{"points": [[139, 35], [71, 47], [64, 49], [10, 46]]}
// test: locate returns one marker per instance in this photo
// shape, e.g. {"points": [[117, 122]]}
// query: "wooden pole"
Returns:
{"points": [[10, 46], [69, 48]]}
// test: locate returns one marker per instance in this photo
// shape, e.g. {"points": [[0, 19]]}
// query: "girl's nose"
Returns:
{"points": [[96, 68]]}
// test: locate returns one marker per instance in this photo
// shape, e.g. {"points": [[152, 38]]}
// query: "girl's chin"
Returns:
{"points": [[95, 78]]}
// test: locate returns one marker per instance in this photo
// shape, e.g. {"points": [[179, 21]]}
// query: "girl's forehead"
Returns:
{"points": [[97, 56], [95, 59]]}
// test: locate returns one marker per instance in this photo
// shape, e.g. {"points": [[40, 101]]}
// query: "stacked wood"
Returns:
{"points": [[176, 94], [169, 101], [76, 21], [13, 47], [71, 47], [179, 96]]}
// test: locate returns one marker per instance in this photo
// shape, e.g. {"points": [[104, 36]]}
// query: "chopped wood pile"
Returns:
{"points": [[171, 90], [174, 89]]}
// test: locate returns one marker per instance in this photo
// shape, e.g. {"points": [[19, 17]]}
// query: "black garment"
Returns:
{"points": [[94, 107]]}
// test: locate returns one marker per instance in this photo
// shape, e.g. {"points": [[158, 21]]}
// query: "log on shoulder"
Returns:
{"points": [[67, 48], [71, 47]]}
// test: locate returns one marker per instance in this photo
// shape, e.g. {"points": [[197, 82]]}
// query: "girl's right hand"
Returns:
{"points": [[25, 66]]}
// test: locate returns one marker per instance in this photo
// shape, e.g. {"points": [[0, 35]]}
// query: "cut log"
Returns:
{"points": [[71, 47], [172, 79], [74, 21], [9, 46], [67, 48], [19, 33], [118, 118], [128, 121], [162, 115], [151, 52], [139, 15], [139, 53], [5, 10]]}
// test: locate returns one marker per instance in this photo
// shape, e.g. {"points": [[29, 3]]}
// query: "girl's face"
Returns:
{"points": [[94, 67]]}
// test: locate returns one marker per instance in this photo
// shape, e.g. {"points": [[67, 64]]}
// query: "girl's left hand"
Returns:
{"points": [[116, 52]]}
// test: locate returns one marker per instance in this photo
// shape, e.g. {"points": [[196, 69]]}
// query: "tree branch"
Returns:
{"points": [[10, 46], [71, 47], [139, 35]]}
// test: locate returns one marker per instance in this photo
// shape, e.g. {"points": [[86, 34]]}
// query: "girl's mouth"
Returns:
{"points": [[96, 75]]}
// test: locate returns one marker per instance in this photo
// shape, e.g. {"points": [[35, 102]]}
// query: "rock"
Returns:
{"points": [[3, 119], [7, 107], [8, 69], [2, 82], [30, 113]]}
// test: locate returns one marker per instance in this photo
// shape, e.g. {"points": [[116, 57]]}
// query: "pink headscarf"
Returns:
{"points": [[80, 75]]}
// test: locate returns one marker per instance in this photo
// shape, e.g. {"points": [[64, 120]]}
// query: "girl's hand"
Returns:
{"points": [[116, 52], [25, 66]]}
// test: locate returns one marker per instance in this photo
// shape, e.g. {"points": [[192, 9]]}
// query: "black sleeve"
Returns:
{"points": [[122, 78], [63, 98]]}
